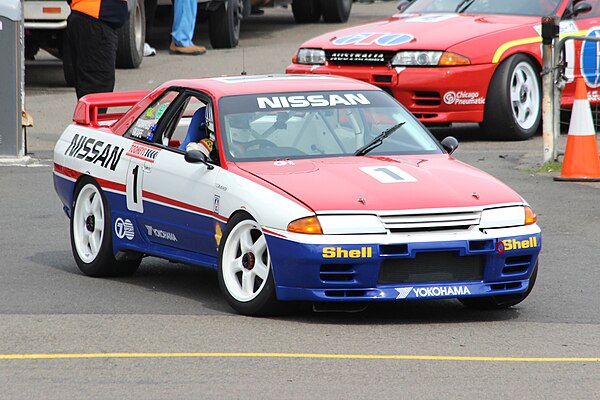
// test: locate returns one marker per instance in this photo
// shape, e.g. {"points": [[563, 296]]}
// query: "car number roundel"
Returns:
{"points": [[388, 174], [381, 39], [590, 59]]}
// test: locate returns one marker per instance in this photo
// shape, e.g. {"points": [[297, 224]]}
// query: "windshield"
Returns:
{"points": [[317, 124], [509, 7]]}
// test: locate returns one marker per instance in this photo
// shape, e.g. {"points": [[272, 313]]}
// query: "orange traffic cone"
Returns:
{"points": [[581, 162]]}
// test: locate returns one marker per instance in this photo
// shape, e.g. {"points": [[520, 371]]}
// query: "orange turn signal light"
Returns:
{"points": [[530, 216], [450, 59], [309, 225]]}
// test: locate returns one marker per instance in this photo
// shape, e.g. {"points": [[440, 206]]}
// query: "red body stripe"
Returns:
{"points": [[119, 187]]}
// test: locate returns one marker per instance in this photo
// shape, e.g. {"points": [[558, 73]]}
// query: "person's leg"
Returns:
{"points": [[95, 51], [184, 22], [72, 35], [150, 10]]}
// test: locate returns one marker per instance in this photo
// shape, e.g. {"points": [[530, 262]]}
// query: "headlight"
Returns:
{"points": [[428, 58], [506, 217], [310, 56], [350, 224], [337, 225]]}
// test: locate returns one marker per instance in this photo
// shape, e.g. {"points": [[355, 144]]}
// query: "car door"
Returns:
{"points": [[173, 200]]}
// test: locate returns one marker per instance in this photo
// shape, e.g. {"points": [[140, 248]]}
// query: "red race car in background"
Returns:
{"points": [[462, 60]]}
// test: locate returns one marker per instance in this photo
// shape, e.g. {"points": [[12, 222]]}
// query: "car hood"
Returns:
{"points": [[383, 183], [422, 31]]}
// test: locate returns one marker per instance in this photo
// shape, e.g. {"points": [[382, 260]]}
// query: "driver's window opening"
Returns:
{"points": [[189, 126]]}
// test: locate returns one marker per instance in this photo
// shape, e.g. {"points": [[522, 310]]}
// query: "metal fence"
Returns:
{"points": [[558, 55]]}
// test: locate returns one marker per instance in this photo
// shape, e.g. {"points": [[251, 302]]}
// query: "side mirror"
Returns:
{"points": [[196, 156], [402, 4], [581, 8], [449, 144]]}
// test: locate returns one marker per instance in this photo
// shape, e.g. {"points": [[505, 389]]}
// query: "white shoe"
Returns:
{"points": [[149, 51]]}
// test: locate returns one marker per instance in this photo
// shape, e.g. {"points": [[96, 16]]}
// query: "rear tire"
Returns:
{"points": [[336, 10], [500, 302], [91, 235], [224, 25], [513, 108], [306, 11], [132, 35]]}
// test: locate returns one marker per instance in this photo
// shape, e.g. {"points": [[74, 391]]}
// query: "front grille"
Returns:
{"points": [[425, 116], [516, 265], [426, 222], [336, 273], [427, 98], [444, 266], [358, 57]]}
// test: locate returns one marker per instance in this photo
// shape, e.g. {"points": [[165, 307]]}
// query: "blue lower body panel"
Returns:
{"points": [[403, 271]]}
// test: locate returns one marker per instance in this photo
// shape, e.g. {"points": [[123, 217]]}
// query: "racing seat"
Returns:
{"points": [[197, 130]]}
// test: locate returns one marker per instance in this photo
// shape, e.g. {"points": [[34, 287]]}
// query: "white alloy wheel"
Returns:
{"points": [[245, 261], [525, 95], [513, 103], [88, 223]]}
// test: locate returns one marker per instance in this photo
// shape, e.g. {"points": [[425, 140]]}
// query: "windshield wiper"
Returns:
{"points": [[378, 140], [463, 5]]}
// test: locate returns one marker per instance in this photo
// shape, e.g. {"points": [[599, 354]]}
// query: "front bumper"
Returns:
{"points": [[433, 95], [403, 270], [50, 15]]}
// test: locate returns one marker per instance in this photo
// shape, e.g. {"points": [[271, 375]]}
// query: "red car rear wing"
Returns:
{"points": [[86, 111]]}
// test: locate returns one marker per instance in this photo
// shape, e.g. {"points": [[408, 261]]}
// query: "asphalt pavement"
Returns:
{"points": [[167, 332]]}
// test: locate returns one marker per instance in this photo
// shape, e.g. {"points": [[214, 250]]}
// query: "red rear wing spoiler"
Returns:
{"points": [[86, 111]]}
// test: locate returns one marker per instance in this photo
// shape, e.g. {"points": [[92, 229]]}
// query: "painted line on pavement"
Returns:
{"points": [[55, 356]]}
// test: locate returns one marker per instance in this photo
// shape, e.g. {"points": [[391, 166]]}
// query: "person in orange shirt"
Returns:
{"points": [[92, 37]]}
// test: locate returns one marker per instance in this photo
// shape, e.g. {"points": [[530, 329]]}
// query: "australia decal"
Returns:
{"points": [[94, 151]]}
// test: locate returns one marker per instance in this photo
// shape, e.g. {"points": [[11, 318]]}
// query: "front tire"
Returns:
{"points": [[130, 50], [244, 271], [503, 301], [224, 25], [91, 240], [336, 10], [513, 108]]}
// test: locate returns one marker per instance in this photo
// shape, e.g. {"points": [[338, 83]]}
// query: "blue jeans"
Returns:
{"points": [[184, 21]]}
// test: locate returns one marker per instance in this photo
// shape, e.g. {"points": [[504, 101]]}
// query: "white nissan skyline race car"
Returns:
{"points": [[294, 188]]}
